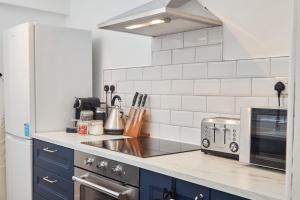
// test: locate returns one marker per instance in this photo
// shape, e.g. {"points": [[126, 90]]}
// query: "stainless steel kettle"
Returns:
{"points": [[115, 124]]}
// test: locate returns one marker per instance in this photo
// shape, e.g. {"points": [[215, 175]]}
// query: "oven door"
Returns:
{"points": [[90, 186]]}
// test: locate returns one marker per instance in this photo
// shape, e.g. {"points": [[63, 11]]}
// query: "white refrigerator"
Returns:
{"points": [[45, 68]]}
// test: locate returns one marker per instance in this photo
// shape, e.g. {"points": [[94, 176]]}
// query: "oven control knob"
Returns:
{"points": [[102, 165], [89, 161], [117, 170], [205, 143], [234, 147]]}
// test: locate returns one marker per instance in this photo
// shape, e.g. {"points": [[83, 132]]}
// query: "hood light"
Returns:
{"points": [[153, 22]]}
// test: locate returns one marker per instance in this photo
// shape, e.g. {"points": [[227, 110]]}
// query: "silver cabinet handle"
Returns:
{"points": [[99, 188], [49, 150], [46, 178], [199, 197]]}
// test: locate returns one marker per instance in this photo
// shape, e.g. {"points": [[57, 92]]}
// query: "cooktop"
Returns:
{"points": [[144, 147]]}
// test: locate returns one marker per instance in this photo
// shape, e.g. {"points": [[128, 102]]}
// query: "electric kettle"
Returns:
{"points": [[115, 124]]}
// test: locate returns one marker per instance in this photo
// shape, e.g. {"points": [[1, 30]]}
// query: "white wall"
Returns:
{"points": [[11, 16], [254, 28], [56, 6], [110, 49]]}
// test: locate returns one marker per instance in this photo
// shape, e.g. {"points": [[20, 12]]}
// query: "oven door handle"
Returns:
{"points": [[99, 188]]}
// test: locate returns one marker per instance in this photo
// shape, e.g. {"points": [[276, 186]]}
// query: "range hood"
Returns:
{"points": [[162, 17]]}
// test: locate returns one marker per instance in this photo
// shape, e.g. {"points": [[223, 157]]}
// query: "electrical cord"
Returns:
{"points": [[279, 87]]}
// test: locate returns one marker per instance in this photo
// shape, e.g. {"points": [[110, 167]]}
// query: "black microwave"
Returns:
{"points": [[263, 137]]}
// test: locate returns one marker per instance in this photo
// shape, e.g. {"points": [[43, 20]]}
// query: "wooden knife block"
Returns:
{"points": [[136, 125]]}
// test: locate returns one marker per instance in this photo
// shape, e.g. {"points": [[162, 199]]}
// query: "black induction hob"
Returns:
{"points": [[143, 147]]}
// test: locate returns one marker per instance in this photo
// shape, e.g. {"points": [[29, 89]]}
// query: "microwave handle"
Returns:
{"points": [[99, 188]]}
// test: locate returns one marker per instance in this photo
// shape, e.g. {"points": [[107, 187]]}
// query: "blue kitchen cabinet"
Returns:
{"points": [[154, 185], [218, 195], [54, 158], [53, 168], [190, 191]]}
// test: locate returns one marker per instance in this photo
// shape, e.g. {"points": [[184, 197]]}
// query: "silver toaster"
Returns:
{"points": [[220, 136]]}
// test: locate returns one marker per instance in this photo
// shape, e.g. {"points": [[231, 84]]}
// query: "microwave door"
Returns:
{"points": [[269, 152], [269, 123]]}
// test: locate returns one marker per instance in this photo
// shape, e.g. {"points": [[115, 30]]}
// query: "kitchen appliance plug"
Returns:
{"points": [[112, 88], [106, 89], [279, 87]]}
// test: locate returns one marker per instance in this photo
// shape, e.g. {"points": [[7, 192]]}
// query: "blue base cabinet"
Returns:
{"points": [[217, 195], [53, 168], [153, 186], [190, 191]]}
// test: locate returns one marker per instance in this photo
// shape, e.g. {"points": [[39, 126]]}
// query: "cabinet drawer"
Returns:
{"points": [[57, 159], [51, 186], [189, 191], [217, 195]]}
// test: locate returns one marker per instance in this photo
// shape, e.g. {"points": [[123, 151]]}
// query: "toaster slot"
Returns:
{"points": [[220, 134]]}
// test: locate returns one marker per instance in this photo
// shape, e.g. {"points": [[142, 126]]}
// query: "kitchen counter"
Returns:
{"points": [[218, 173]]}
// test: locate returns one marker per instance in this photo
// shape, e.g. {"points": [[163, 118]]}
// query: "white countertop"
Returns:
{"points": [[214, 172]]}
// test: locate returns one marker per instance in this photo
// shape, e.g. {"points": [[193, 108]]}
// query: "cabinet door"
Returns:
{"points": [[51, 186], [190, 191], [38, 197], [152, 185], [217, 195], [55, 158]]}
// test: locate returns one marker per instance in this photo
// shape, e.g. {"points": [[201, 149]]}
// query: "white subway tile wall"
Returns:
{"points": [[221, 69], [253, 68], [185, 55], [207, 87], [172, 102], [209, 53], [280, 66], [173, 41], [189, 81], [194, 71], [190, 135], [134, 74], [236, 87], [183, 87], [162, 57], [195, 38], [152, 73], [172, 72]]}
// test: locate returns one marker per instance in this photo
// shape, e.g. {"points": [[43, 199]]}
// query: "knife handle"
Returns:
{"points": [[144, 100], [140, 100], [135, 98]]}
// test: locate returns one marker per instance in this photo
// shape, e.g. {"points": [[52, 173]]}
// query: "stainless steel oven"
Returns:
{"points": [[97, 178], [263, 137]]}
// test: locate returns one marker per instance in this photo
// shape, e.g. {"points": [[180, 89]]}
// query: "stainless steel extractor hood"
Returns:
{"points": [[162, 17]]}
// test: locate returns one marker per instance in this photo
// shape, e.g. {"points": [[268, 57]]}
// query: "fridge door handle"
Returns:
{"points": [[47, 149]]}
